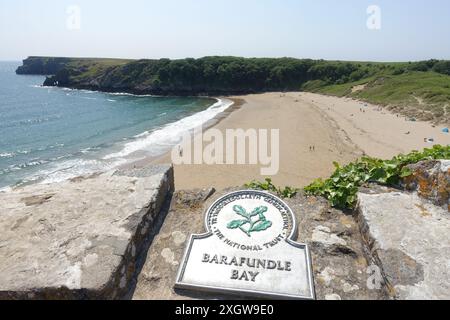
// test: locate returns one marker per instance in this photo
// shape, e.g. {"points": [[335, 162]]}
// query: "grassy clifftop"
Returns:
{"points": [[417, 89], [402, 88], [52, 65]]}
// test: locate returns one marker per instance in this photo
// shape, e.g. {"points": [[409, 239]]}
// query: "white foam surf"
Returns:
{"points": [[153, 143], [61, 171], [158, 141]]}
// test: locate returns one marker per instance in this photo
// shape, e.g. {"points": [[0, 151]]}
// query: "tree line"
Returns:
{"points": [[226, 74]]}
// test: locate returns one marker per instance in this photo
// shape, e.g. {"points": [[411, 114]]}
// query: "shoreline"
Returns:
{"points": [[341, 129], [159, 159], [212, 106]]}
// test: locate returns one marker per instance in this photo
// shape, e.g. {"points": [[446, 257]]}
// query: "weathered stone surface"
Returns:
{"points": [[339, 263], [78, 239], [338, 254], [409, 240], [431, 180]]}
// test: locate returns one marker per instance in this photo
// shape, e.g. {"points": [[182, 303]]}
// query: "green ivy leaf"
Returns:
{"points": [[406, 172], [341, 188]]}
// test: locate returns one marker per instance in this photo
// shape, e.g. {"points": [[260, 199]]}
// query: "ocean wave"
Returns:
{"points": [[31, 121], [5, 189], [21, 166], [39, 86], [32, 163], [49, 147], [24, 152], [157, 141], [13, 154], [95, 91], [129, 94], [69, 169], [7, 155], [90, 149], [60, 168], [68, 166]]}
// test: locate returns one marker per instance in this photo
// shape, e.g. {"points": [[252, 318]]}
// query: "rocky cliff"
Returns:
{"points": [[42, 65]]}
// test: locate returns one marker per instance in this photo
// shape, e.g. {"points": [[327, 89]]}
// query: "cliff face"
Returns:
{"points": [[42, 65]]}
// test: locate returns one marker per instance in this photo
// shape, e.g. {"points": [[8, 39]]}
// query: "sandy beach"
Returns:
{"points": [[340, 129]]}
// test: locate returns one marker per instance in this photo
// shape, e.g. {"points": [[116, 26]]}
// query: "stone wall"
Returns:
{"points": [[406, 232], [79, 239], [95, 237]]}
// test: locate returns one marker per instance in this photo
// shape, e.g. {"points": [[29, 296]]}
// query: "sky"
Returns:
{"points": [[398, 30]]}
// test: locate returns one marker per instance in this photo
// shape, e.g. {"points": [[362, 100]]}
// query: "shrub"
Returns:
{"points": [[442, 67], [342, 187], [287, 192]]}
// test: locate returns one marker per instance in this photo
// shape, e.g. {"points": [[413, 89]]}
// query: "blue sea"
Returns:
{"points": [[52, 134]]}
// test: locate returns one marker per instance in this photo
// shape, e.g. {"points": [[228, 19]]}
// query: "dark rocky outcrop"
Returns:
{"points": [[42, 65]]}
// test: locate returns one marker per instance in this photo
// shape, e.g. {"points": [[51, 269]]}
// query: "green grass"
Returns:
{"points": [[339, 90], [424, 95], [93, 67], [432, 87]]}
